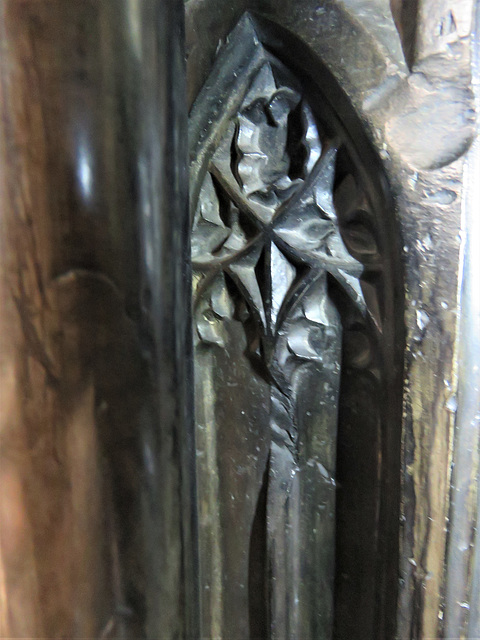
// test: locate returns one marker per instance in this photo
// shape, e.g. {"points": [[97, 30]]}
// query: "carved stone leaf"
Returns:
{"points": [[210, 232], [310, 340], [219, 229], [261, 143], [306, 232], [215, 306]]}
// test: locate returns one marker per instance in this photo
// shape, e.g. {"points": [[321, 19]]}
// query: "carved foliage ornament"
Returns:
{"points": [[266, 250]]}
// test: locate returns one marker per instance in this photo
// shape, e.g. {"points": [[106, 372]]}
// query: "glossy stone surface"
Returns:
{"points": [[94, 317]]}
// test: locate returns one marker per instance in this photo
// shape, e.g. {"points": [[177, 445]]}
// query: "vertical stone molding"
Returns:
{"points": [[95, 510]]}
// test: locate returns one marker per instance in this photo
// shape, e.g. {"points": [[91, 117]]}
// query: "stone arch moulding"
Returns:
{"points": [[298, 437], [401, 132]]}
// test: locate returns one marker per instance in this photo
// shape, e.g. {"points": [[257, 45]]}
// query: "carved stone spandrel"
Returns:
{"points": [[286, 227], [420, 120]]}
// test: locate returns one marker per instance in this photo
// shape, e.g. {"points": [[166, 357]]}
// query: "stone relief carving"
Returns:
{"points": [[268, 248]]}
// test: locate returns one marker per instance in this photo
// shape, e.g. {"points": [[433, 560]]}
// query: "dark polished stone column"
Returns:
{"points": [[96, 448]]}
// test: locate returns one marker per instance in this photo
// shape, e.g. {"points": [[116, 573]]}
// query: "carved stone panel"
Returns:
{"points": [[287, 269]]}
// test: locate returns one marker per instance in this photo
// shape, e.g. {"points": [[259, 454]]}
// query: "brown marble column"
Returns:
{"points": [[95, 524]]}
